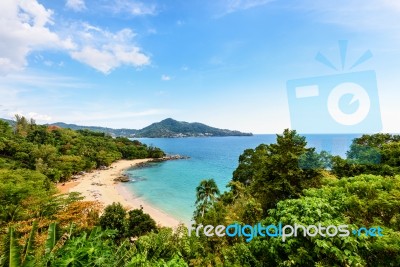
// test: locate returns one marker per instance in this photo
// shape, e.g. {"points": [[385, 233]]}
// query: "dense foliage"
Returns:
{"points": [[279, 171], [59, 153], [126, 224], [374, 154], [286, 182]]}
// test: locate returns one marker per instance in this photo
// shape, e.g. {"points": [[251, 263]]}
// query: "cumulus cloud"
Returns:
{"points": [[105, 50], [39, 117], [165, 77], [24, 28], [29, 115], [16, 103], [76, 5]]}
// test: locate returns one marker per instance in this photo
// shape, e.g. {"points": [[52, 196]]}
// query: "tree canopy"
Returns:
{"points": [[59, 153]]}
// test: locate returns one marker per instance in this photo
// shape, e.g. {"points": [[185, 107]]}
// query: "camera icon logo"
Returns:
{"points": [[340, 103]]}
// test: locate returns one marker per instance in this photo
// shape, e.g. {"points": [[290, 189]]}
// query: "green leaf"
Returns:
{"points": [[29, 246], [28, 259], [12, 255], [51, 238]]}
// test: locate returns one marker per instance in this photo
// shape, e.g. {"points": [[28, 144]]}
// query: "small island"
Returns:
{"points": [[171, 128]]}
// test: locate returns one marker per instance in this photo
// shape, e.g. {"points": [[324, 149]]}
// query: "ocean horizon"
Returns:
{"points": [[170, 186]]}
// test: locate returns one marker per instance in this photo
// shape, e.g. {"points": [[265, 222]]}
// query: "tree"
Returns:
{"points": [[249, 162], [279, 171], [18, 190], [155, 152], [21, 125], [362, 201], [206, 194], [370, 154], [114, 218], [139, 223], [5, 128]]}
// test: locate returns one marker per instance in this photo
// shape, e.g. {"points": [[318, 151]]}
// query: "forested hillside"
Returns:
{"points": [[110, 131], [58, 153]]}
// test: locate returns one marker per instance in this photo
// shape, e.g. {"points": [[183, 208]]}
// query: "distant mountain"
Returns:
{"points": [[165, 128], [111, 131], [172, 128], [11, 122]]}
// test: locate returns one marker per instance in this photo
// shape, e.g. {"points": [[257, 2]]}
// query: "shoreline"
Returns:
{"points": [[99, 185]]}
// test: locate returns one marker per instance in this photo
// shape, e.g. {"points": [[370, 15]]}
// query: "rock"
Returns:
{"points": [[170, 157], [122, 178], [98, 184], [141, 165]]}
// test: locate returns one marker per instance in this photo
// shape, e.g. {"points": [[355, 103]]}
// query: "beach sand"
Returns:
{"points": [[100, 186]]}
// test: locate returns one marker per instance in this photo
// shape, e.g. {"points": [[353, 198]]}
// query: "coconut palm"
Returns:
{"points": [[206, 193]]}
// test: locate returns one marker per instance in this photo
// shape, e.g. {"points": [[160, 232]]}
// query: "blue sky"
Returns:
{"points": [[128, 63]]}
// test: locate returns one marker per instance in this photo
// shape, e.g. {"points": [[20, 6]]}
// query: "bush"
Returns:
{"points": [[139, 223], [114, 218]]}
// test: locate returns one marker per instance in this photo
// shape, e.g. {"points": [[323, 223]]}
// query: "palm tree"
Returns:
{"points": [[206, 193]]}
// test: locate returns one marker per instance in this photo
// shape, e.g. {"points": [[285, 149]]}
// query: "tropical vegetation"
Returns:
{"points": [[286, 182]]}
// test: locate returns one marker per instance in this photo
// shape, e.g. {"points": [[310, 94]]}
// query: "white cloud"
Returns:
{"points": [[165, 77], [359, 15], [230, 6], [152, 31], [55, 82], [39, 117], [25, 94], [393, 4], [76, 5], [110, 114], [48, 63], [17, 103], [105, 51], [46, 97], [103, 61], [135, 8], [24, 28]]}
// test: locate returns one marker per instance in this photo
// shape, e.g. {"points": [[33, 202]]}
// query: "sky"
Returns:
{"points": [[225, 63]]}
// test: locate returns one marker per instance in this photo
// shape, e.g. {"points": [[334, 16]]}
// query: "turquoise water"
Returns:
{"points": [[170, 186]]}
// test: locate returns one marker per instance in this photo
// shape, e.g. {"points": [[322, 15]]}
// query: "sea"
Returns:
{"points": [[170, 186]]}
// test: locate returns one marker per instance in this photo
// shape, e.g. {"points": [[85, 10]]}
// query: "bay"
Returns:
{"points": [[170, 186]]}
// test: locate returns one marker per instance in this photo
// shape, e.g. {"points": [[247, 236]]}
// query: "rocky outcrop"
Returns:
{"points": [[122, 178], [170, 157]]}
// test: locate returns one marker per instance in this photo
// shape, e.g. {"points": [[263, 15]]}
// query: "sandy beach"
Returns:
{"points": [[99, 185]]}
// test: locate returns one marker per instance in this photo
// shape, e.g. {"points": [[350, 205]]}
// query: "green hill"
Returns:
{"points": [[110, 131], [172, 128]]}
